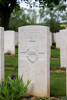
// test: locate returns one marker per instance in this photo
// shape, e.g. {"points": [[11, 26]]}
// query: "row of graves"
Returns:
{"points": [[34, 43]]}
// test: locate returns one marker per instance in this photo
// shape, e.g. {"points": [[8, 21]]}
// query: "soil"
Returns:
{"points": [[10, 68], [59, 70], [35, 98], [54, 58], [12, 55]]}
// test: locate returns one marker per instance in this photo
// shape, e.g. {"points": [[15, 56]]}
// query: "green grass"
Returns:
{"points": [[11, 62], [58, 84], [10, 72], [57, 80], [55, 53], [55, 59], [55, 64]]}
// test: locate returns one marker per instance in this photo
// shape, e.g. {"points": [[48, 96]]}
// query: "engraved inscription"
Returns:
{"points": [[32, 56], [32, 41]]}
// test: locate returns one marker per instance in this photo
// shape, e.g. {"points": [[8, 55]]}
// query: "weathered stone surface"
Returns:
{"points": [[61, 42], [57, 39], [9, 42], [16, 38], [50, 38], [63, 48], [63, 58], [60, 37], [1, 53], [34, 59]]}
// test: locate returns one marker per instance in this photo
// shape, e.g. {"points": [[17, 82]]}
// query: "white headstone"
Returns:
{"points": [[50, 38], [61, 42], [1, 53], [58, 39], [16, 38], [63, 57], [34, 59], [54, 37], [9, 42]]}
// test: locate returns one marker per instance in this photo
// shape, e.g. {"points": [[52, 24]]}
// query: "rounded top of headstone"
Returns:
{"points": [[34, 26], [9, 31], [1, 28]]}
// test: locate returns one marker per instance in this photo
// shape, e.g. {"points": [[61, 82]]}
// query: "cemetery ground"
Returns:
{"points": [[57, 75]]}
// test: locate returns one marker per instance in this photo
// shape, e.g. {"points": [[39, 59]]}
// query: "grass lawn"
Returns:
{"points": [[57, 80], [55, 63], [9, 72], [58, 84], [55, 59], [55, 53], [11, 62]]}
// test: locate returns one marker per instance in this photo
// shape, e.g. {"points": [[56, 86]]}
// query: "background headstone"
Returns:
{"points": [[61, 42], [34, 59], [1, 53], [16, 38], [50, 38], [9, 42], [63, 46], [63, 58], [58, 39]]}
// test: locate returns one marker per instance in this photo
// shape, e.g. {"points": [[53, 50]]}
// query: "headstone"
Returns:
{"points": [[63, 45], [16, 38], [54, 37], [61, 42], [9, 42], [63, 58], [58, 39], [34, 59], [1, 53], [50, 38]]}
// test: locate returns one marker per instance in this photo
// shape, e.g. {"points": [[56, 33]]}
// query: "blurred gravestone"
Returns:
{"points": [[61, 42], [16, 38], [9, 42]]}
